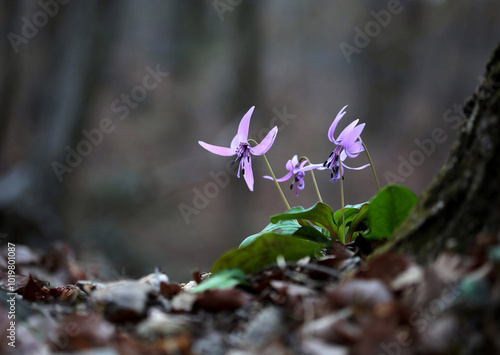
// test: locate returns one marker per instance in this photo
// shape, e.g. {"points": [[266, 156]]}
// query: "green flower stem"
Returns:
{"points": [[371, 165], [314, 180], [342, 202], [316, 186], [276, 182], [274, 177]]}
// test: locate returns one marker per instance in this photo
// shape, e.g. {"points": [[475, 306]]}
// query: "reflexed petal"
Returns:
{"points": [[358, 168], [352, 136], [283, 179], [351, 155], [244, 125], [347, 130], [289, 165], [248, 174], [235, 143], [313, 166], [304, 162], [331, 131], [224, 151], [266, 143], [343, 155], [354, 149], [294, 161]]}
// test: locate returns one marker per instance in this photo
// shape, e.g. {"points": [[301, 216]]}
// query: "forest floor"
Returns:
{"points": [[342, 303]]}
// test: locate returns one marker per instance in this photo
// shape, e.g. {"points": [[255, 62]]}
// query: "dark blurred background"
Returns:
{"points": [[102, 104]]}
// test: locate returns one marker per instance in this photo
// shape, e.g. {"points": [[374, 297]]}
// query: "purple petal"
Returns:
{"points": [[304, 162], [245, 125], [289, 165], [235, 142], [352, 136], [298, 167], [266, 143], [358, 168], [294, 161], [283, 179], [224, 151], [331, 131], [351, 155], [248, 174], [346, 130], [312, 167], [343, 155], [354, 149]]}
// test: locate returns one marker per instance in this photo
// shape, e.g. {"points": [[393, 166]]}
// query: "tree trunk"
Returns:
{"points": [[30, 194], [463, 201]]}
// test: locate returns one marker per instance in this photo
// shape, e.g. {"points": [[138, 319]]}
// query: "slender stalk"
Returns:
{"points": [[342, 201], [314, 180], [276, 183], [371, 165], [316, 186], [274, 177]]}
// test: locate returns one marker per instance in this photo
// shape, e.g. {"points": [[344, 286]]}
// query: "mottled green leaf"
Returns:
{"points": [[320, 214], [312, 234], [359, 217], [264, 250], [388, 209], [282, 227], [224, 279], [350, 213]]}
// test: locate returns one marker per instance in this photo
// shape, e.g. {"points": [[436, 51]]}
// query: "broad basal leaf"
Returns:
{"points": [[281, 227], [388, 209], [264, 250], [314, 235], [358, 218], [222, 280], [320, 214], [350, 213]]}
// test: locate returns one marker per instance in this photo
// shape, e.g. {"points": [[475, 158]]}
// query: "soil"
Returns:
{"points": [[346, 302]]}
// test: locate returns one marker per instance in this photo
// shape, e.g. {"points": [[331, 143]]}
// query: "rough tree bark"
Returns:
{"points": [[463, 201]]}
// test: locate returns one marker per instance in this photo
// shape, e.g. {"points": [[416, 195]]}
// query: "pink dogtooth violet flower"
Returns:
{"points": [[242, 148], [297, 170], [349, 145]]}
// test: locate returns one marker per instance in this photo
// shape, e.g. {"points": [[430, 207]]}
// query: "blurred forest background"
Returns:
{"points": [[154, 77]]}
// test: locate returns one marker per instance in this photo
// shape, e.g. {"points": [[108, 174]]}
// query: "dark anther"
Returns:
{"points": [[243, 171], [235, 160], [291, 186]]}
